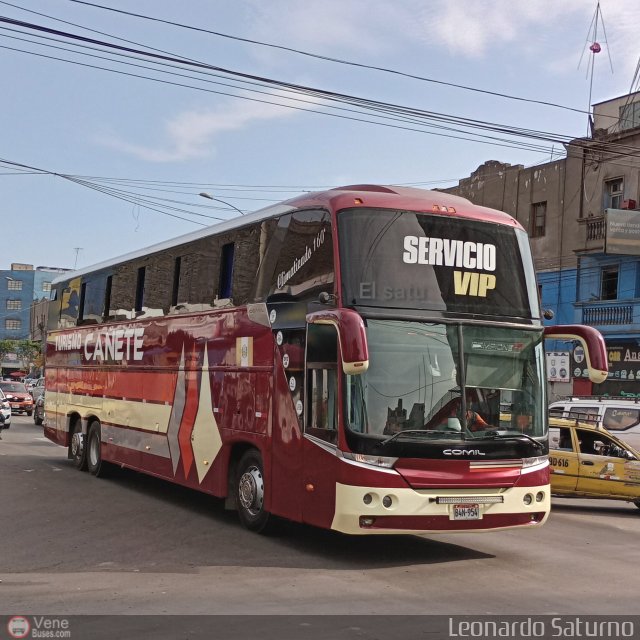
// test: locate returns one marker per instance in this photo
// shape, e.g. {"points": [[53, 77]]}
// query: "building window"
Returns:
{"points": [[46, 286], [609, 283], [14, 305], [613, 193], [538, 219], [14, 285], [13, 324]]}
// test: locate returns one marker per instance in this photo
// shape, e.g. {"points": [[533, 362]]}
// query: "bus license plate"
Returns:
{"points": [[466, 512]]}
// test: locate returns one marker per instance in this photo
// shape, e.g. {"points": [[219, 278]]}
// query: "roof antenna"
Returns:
{"points": [[594, 47]]}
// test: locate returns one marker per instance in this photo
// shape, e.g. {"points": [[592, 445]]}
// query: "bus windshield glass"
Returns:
{"points": [[407, 260], [420, 372]]}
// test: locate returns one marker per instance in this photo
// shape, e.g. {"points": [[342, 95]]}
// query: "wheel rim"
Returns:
{"points": [[251, 490], [77, 444], [94, 451]]}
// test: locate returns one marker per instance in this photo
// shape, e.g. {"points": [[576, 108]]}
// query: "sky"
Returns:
{"points": [[96, 163]]}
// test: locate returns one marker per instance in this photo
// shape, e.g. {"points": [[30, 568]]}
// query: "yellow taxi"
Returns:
{"points": [[586, 461]]}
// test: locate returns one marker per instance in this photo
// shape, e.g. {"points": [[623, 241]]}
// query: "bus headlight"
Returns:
{"points": [[532, 462], [374, 461]]}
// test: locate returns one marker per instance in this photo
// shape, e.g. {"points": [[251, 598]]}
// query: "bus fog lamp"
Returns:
{"points": [[367, 498], [527, 499], [540, 496], [367, 521], [387, 501]]}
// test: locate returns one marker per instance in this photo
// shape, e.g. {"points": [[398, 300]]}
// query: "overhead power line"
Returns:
{"points": [[317, 56], [158, 205], [363, 106], [413, 119]]}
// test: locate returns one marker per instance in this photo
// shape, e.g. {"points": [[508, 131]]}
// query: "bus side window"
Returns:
{"points": [[322, 382], [70, 304], [226, 270]]}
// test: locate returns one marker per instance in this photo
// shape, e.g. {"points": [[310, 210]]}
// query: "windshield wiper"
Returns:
{"points": [[495, 435], [412, 432]]}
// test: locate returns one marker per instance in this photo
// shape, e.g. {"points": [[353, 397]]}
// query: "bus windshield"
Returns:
{"points": [[420, 372], [397, 259]]}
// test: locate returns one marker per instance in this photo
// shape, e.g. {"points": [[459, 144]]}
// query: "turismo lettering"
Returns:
{"points": [[115, 344]]}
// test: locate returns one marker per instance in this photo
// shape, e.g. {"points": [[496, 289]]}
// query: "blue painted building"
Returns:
{"points": [[24, 292], [16, 297]]}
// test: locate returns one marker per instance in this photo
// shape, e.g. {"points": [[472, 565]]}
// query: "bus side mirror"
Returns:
{"points": [[352, 337], [592, 343]]}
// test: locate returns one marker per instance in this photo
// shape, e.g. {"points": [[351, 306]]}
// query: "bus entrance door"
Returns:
{"points": [[321, 425]]}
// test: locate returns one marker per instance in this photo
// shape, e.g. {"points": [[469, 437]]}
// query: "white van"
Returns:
{"points": [[620, 415]]}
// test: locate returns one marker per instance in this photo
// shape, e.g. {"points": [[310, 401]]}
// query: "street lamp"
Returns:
{"points": [[208, 196]]}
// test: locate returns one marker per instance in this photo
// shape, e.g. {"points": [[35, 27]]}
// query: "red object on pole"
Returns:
{"points": [[595, 47]]}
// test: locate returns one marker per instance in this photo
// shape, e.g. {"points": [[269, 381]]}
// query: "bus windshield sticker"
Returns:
{"points": [[407, 260]]}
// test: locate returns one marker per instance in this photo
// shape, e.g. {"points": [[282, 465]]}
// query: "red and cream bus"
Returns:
{"points": [[325, 360]]}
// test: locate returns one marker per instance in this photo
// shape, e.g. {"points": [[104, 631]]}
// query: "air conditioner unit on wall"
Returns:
{"points": [[628, 204]]}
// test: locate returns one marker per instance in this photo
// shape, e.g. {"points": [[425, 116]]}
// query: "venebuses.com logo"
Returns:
{"points": [[38, 627]]}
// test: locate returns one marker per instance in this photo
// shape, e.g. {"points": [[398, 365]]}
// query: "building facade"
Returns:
{"points": [[582, 213], [16, 296], [24, 297]]}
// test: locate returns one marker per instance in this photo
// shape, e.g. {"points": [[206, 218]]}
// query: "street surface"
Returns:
{"points": [[131, 544]]}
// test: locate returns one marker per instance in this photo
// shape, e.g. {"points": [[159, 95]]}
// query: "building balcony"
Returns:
{"points": [[612, 315], [593, 234]]}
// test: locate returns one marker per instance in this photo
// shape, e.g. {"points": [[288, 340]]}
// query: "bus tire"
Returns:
{"points": [[78, 447], [95, 464], [250, 492]]}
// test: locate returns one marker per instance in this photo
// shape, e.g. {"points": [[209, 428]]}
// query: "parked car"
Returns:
{"points": [[38, 410], [620, 415], [37, 388], [586, 461], [5, 409], [18, 396]]}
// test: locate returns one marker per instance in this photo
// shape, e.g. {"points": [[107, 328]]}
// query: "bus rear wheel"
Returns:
{"points": [[77, 447], [95, 464], [250, 493]]}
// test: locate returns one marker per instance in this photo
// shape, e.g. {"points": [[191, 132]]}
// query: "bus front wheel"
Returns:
{"points": [[95, 464], [250, 492]]}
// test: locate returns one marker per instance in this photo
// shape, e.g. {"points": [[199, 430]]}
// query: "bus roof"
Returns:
{"points": [[379, 196]]}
